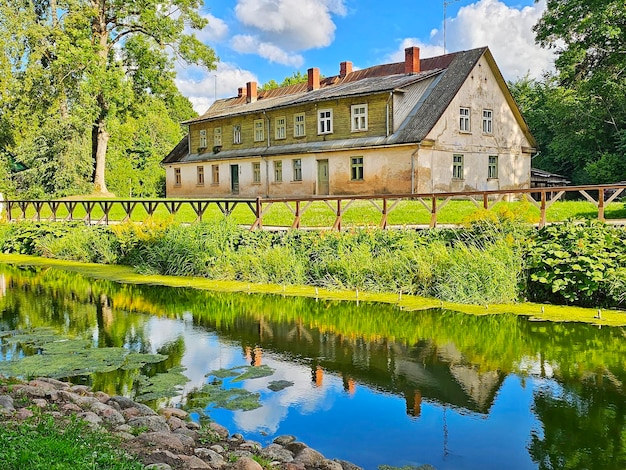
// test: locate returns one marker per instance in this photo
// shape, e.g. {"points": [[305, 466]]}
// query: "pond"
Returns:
{"points": [[366, 382]]}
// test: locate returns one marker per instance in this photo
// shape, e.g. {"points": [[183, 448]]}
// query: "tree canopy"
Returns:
{"points": [[579, 115], [77, 73]]}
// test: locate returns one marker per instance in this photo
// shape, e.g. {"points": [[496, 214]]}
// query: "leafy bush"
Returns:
{"points": [[89, 245], [577, 263]]}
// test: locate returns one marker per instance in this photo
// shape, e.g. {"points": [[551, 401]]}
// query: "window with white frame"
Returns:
{"points": [[492, 170], [359, 117], [217, 136], [215, 174], [278, 171], [236, 134], [297, 169], [464, 120], [356, 168], [177, 177], [200, 174], [299, 128], [325, 121], [457, 166], [256, 172], [202, 143], [281, 128], [259, 135], [487, 121]]}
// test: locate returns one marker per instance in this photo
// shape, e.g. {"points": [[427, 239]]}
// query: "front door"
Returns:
{"points": [[234, 179], [322, 178]]}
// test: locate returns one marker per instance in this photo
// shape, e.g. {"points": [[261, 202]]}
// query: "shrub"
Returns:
{"points": [[89, 245]]}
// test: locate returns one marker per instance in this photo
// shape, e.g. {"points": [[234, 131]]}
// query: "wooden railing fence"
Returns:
{"points": [[100, 211]]}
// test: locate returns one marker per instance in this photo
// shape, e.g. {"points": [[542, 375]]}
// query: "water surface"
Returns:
{"points": [[368, 383]]}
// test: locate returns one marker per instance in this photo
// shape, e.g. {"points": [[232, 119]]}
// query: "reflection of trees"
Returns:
{"points": [[582, 428]]}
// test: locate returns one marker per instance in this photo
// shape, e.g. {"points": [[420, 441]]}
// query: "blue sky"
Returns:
{"points": [[260, 40]]}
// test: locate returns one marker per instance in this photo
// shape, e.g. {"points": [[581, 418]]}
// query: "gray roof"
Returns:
{"points": [[448, 73]]}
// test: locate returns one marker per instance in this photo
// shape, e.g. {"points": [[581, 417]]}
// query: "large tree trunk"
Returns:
{"points": [[100, 142], [99, 134]]}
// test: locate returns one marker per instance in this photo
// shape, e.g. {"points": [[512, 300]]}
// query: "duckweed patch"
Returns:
{"points": [[42, 352], [163, 385], [241, 373], [230, 399], [278, 385]]}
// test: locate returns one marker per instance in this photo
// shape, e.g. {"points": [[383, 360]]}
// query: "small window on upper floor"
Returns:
{"points": [[217, 136], [299, 127], [464, 120], [359, 117], [236, 134], [259, 134], [325, 121], [281, 128], [202, 141], [487, 121], [177, 177]]}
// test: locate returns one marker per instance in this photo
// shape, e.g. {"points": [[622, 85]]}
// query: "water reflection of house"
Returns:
{"points": [[424, 371]]}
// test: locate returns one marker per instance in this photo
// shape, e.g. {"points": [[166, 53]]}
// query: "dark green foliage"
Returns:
{"points": [[43, 444], [578, 263]]}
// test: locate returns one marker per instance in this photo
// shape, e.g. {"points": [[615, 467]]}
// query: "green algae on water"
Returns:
{"points": [[241, 373], [162, 385], [278, 385], [230, 399], [43, 352]]}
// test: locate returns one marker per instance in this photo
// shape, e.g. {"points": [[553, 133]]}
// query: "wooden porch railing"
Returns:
{"points": [[100, 211]]}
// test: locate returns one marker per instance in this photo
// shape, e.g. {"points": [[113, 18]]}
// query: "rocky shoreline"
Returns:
{"points": [[162, 441]]}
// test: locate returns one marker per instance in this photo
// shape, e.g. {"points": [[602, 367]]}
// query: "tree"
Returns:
{"points": [[91, 60], [588, 96], [294, 79]]}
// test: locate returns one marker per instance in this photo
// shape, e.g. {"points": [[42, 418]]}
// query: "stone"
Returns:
{"points": [[241, 453], [345, 465], [43, 385], [284, 440], [295, 447], [293, 466], [194, 463], [102, 397], [122, 402], [276, 452], [86, 402], [124, 428], [6, 402], [220, 430], [308, 457], [187, 441], [80, 390], [29, 391], [193, 425], [252, 446], [214, 458], [177, 412], [174, 423], [188, 433], [24, 413], [124, 435], [162, 440], [158, 466], [71, 407], [164, 457], [246, 463], [56, 383], [67, 396], [328, 464], [40, 402], [150, 423], [130, 413], [108, 413], [218, 448], [90, 417]]}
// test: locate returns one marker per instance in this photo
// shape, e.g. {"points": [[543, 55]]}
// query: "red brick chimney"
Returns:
{"points": [[314, 79], [412, 60], [240, 92], [251, 93], [345, 68]]}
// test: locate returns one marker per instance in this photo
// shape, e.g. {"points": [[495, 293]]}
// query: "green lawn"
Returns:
{"points": [[355, 213]]}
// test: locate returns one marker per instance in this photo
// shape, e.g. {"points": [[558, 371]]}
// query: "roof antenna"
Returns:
{"points": [[445, 5]]}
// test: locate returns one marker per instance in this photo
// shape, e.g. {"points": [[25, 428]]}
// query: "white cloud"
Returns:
{"points": [[292, 24], [507, 31], [247, 44], [214, 32], [201, 87]]}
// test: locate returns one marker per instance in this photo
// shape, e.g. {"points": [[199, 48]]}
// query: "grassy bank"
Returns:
{"points": [[488, 262]]}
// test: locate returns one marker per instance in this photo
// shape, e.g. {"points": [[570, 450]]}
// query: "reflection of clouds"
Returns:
{"points": [[203, 350], [303, 395], [536, 367]]}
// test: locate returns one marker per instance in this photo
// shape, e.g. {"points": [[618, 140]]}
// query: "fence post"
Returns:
{"points": [[601, 204], [433, 212]]}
